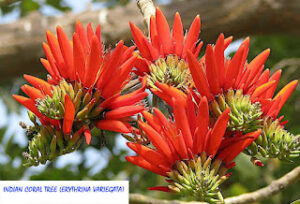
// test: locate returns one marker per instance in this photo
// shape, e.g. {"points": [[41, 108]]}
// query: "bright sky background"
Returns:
{"points": [[96, 159]]}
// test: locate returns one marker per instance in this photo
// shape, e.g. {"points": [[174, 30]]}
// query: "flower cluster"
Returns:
{"points": [[217, 106], [83, 91], [188, 150]]}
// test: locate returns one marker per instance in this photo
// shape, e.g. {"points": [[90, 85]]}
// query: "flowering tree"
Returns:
{"points": [[205, 110]]}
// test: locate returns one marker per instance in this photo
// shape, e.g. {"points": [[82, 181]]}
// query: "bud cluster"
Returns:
{"points": [[275, 142], [199, 178], [172, 71], [244, 115], [48, 143]]}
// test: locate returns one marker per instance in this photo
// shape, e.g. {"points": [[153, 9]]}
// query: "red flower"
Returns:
{"points": [[84, 84], [185, 138], [244, 87]]}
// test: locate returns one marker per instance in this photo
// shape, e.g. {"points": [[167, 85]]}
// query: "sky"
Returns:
{"points": [[74, 158]]}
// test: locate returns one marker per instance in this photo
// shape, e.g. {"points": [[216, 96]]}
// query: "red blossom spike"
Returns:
{"points": [[202, 123], [123, 112], [119, 102], [113, 125], [98, 34], [192, 35], [79, 29], [32, 92], [30, 105], [139, 37], [148, 154], [285, 92], [229, 153], [198, 76], [48, 67], [115, 85], [110, 69], [78, 58], [88, 135], [156, 139], [152, 121], [262, 89], [139, 161], [211, 70], [160, 188], [227, 41], [217, 133], [66, 50], [55, 50], [177, 34], [256, 64], [51, 60], [69, 115], [39, 84], [181, 122], [90, 33], [163, 30], [276, 76], [153, 33], [234, 68], [219, 58], [93, 63]]}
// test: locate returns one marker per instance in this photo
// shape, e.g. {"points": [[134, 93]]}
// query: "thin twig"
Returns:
{"points": [[147, 8], [261, 194]]}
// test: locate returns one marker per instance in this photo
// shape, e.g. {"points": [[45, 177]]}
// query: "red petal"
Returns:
{"points": [[51, 60], [66, 50], [79, 29], [163, 30], [94, 61], [160, 188], [219, 58], [231, 151], [156, 139], [87, 135], [192, 35], [285, 93], [181, 122], [234, 68], [113, 125], [40, 84], [177, 34], [198, 76], [276, 76], [119, 102], [139, 161], [69, 115], [211, 71], [148, 154], [123, 112], [202, 124], [139, 37], [54, 46], [256, 64], [78, 57], [32, 92], [217, 133]]}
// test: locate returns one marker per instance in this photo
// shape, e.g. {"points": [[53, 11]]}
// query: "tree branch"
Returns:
{"points": [[147, 8], [7, 2], [21, 47], [261, 194]]}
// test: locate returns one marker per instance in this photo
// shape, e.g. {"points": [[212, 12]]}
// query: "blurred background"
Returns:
{"points": [[270, 24]]}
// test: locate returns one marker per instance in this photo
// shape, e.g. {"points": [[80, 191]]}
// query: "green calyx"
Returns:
{"points": [[198, 178], [244, 115], [86, 102], [48, 143], [275, 142], [170, 70]]}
